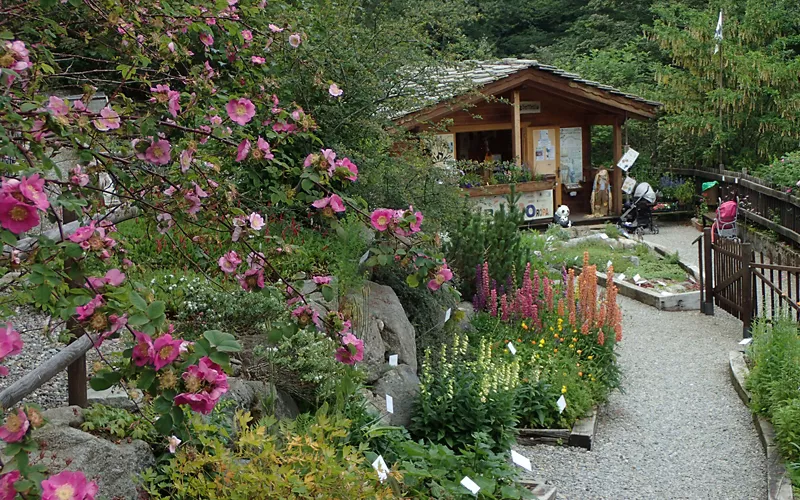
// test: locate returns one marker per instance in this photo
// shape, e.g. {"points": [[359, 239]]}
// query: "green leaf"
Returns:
{"points": [[73, 250], [307, 185], [412, 280], [155, 309], [104, 380], [138, 302], [327, 293], [222, 341], [138, 319], [28, 106], [146, 379], [8, 237], [164, 425], [177, 415], [220, 358], [162, 405], [42, 294]]}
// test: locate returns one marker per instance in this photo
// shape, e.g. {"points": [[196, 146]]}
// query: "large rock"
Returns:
{"points": [[402, 384], [115, 467], [385, 330], [257, 397]]}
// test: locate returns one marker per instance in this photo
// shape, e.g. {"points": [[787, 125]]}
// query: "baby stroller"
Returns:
{"points": [[724, 225], [637, 213]]}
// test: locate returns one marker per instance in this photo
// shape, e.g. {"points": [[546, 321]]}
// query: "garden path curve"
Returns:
{"points": [[679, 430]]}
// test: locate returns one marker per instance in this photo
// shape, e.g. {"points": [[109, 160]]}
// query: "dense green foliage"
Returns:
{"points": [[775, 383]]}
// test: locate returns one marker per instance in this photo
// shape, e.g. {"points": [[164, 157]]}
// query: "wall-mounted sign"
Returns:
{"points": [[526, 107], [628, 159], [535, 205]]}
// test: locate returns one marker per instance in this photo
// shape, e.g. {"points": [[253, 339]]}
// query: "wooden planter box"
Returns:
{"points": [[504, 189], [581, 434]]}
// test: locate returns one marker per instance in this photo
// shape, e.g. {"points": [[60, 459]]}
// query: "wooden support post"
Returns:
{"points": [[76, 371], [708, 304], [517, 132], [616, 173], [747, 289]]}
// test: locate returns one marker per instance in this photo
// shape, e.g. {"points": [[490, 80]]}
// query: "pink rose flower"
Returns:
{"points": [[144, 351], [114, 277], [82, 234], [86, 311], [57, 106], [241, 110], [243, 150], [256, 260], [305, 316], [275, 28], [442, 275], [335, 91], [257, 60], [109, 120], [174, 442], [207, 39], [349, 165], [229, 262], [68, 485], [16, 216], [15, 427], [247, 35], [211, 383], [159, 152], [185, 159], [263, 150], [252, 279], [321, 280], [333, 201], [381, 218], [352, 350], [32, 188], [7, 480], [166, 350], [256, 221], [294, 40], [116, 323]]}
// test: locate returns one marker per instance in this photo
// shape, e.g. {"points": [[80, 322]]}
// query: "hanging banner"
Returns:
{"points": [[628, 159]]}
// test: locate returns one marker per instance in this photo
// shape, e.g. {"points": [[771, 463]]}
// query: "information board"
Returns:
{"points": [[534, 206], [571, 155]]}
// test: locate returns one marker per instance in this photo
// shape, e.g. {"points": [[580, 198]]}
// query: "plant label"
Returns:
{"points": [[746, 341], [364, 257], [521, 460], [603, 236], [447, 315], [620, 277], [393, 360], [512, 348], [389, 404], [380, 467], [609, 264], [562, 404], [470, 485]]}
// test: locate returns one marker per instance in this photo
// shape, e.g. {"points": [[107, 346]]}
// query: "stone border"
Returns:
{"points": [[540, 490], [779, 486], [581, 435], [665, 301]]}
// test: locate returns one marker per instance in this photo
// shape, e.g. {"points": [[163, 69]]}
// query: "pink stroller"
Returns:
{"points": [[725, 223]]}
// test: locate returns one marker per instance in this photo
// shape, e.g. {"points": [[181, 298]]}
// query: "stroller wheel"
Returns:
{"points": [[653, 229]]}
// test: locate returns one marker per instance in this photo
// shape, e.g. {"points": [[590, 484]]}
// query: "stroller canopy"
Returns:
{"points": [[644, 192], [727, 211]]}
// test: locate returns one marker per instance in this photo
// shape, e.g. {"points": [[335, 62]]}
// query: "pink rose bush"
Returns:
{"points": [[351, 351], [21, 200], [68, 485], [206, 383], [10, 345]]}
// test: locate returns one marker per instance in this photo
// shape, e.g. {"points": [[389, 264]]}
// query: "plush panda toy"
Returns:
{"points": [[562, 216]]}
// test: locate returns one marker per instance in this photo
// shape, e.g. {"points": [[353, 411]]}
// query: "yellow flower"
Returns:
{"points": [[579, 351], [574, 339], [563, 389], [589, 357], [555, 350], [524, 326], [572, 346], [575, 330], [580, 374], [551, 328]]}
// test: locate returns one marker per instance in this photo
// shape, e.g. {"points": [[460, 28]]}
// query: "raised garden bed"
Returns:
{"points": [[581, 435]]}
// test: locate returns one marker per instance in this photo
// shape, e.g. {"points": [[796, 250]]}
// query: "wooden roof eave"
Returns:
{"points": [[573, 91]]}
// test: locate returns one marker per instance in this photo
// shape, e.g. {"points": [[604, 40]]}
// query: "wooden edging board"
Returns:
{"points": [[779, 485], [581, 435]]}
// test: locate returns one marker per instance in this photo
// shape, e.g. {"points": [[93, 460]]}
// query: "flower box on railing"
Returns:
{"points": [[504, 189]]}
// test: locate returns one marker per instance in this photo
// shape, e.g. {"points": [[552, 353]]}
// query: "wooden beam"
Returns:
{"points": [[480, 127], [516, 137], [616, 173]]}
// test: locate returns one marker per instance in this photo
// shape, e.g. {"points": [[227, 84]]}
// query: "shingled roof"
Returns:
{"points": [[472, 75]]}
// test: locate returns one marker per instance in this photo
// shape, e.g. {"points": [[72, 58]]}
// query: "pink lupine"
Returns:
{"points": [[68, 485], [109, 120], [15, 427], [86, 311], [144, 351], [351, 351], [241, 110], [16, 216], [206, 383], [229, 262], [504, 312], [443, 275], [493, 303], [159, 152], [381, 218], [243, 150], [165, 351], [32, 188]]}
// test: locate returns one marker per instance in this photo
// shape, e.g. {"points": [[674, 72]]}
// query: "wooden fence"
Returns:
{"points": [[748, 284]]}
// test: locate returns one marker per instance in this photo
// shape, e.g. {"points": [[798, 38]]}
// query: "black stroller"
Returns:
{"points": [[637, 213]]}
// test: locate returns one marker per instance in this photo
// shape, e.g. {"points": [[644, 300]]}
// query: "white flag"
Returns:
{"points": [[718, 32]]}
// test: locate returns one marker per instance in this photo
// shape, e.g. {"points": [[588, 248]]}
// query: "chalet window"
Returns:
{"points": [[492, 145]]}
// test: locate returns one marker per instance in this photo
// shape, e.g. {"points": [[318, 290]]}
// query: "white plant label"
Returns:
{"points": [[603, 236], [447, 315], [380, 467], [512, 348], [746, 341], [364, 257], [609, 264], [470, 485], [389, 404], [562, 404], [521, 460], [620, 277], [393, 360]]}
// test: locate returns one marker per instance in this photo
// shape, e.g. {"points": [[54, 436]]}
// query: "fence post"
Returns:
{"points": [[747, 290], [708, 304], [76, 371]]}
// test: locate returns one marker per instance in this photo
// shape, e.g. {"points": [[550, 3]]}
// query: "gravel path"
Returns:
{"points": [[678, 431], [677, 237]]}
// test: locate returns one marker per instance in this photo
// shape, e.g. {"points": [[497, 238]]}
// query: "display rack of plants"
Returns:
{"points": [[581, 435]]}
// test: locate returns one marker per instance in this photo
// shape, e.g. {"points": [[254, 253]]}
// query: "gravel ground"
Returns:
{"points": [[679, 430], [677, 237], [38, 348]]}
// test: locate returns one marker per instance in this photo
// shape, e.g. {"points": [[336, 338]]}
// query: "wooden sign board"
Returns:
{"points": [[534, 206]]}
